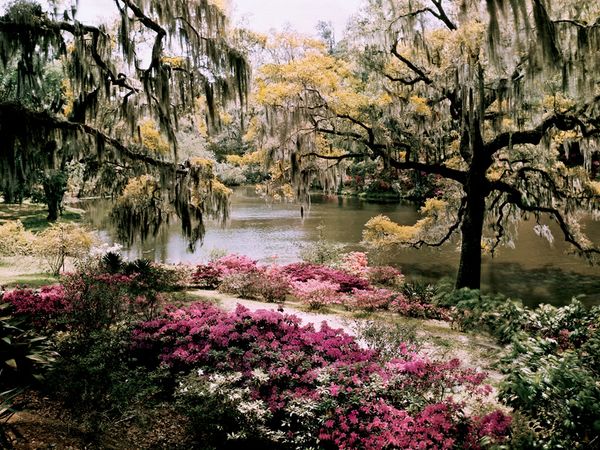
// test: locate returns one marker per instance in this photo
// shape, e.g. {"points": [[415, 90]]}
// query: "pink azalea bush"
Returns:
{"points": [[41, 305], [234, 263], [307, 271], [206, 276], [355, 263], [268, 284], [414, 307], [369, 299], [317, 293], [320, 387], [385, 276]]}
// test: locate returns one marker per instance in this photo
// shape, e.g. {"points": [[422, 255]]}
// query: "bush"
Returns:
{"points": [[97, 377], [14, 240], [233, 263], [272, 285], [222, 412], [385, 276], [241, 284], [207, 276], [317, 293], [390, 341], [62, 240], [40, 307], [355, 263], [306, 271], [23, 352], [558, 390], [418, 300], [369, 299], [551, 367]]}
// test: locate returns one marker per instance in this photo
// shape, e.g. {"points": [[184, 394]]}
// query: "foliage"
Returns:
{"points": [[61, 82], [63, 240], [23, 352], [390, 341], [14, 240], [306, 388], [96, 377], [417, 307], [221, 411], [551, 367], [98, 300], [112, 262], [557, 388], [321, 251]]}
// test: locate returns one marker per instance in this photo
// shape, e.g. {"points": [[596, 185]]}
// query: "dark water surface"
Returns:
{"points": [[534, 271]]}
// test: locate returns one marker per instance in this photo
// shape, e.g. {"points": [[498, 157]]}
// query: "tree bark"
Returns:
{"points": [[477, 189], [469, 269]]}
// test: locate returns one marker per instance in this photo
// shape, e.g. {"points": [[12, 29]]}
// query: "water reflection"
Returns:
{"points": [[534, 271]]}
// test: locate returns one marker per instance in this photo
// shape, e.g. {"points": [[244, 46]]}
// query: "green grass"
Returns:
{"points": [[30, 280], [33, 216]]}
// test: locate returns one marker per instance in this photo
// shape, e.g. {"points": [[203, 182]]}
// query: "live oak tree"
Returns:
{"points": [[125, 87], [498, 99]]}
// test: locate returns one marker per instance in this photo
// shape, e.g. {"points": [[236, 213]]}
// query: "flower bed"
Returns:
{"points": [[315, 387]]}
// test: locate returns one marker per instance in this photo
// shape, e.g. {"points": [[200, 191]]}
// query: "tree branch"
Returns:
{"points": [[516, 198]]}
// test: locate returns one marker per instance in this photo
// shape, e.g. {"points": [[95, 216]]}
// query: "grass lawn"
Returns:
{"points": [[34, 216], [24, 271]]}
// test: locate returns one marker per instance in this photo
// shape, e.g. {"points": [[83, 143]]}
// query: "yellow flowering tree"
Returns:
{"points": [[500, 99]]}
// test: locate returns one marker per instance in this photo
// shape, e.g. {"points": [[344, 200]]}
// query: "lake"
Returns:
{"points": [[534, 271]]}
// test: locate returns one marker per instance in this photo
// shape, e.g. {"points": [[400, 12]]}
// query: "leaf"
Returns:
{"points": [[37, 358], [11, 363]]}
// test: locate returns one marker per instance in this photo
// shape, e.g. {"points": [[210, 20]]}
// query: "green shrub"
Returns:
{"points": [[97, 377], [558, 389]]}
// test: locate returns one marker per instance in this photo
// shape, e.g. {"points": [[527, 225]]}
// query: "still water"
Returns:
{"points": [[534, 271]]}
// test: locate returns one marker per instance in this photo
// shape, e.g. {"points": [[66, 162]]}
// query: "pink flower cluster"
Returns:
{"points": [[307, 271], [317, 293], [234, 264], [356, 263], [316, 285], [414, 308], [41, 306], [359, 402], [370, 299]]}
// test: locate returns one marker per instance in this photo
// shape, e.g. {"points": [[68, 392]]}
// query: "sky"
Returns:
{"points": [[258, 15]]}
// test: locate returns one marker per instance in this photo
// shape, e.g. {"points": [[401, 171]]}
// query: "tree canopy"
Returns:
{"points": [[124, 89], [499, 100]]}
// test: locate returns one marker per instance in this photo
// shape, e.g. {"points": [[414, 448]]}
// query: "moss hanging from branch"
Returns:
{"points": [[112, 93]]}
